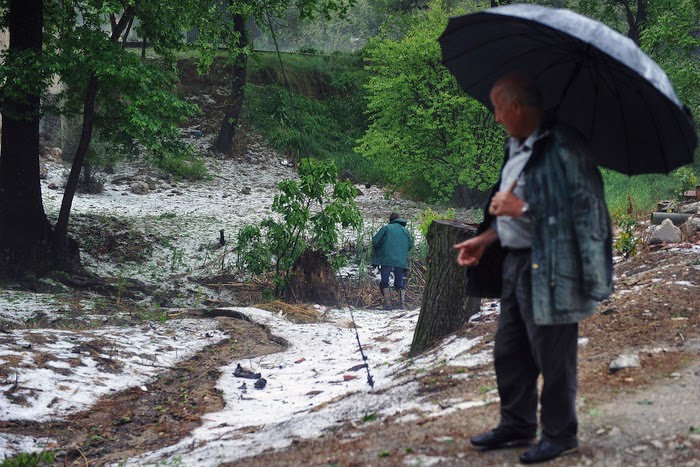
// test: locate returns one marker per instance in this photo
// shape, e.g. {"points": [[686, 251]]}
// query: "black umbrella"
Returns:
{"points": [[592, 77]]}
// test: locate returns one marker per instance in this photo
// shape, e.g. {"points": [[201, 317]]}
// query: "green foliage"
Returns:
{"points": [[670, 37], [424, 130], [135, 102], [314, 109], [370, 417], [252, 254], [183, 165], [627, 241], [346, 32], [427, 217], [686, 179], [33, 459], [308, 213]]}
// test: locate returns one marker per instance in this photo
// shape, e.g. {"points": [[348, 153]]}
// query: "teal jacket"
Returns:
{"points": [[571, 230], [392, 244]]}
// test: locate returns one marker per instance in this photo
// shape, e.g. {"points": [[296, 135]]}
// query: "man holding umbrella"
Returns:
{"points": [[550, 216], [610, 105]]}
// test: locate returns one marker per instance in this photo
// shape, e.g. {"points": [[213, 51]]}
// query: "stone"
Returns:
{"points": [[139, 188], [53, 154], [624, 361], [691, 208], [666, 233], [43, 170], [693, 226]]}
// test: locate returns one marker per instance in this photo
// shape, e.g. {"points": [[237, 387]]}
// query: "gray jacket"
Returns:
{"points": [[571, 230]]}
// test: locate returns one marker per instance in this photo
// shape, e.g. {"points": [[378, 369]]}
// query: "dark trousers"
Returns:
{"points": [[523, 351], [398, 277]]}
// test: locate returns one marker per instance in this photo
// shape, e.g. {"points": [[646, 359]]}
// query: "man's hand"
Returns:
{"points": [[471, 250], [505, 203]]}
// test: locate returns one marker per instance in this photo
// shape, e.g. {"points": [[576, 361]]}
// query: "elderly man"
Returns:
{"points": [[550, 218]]}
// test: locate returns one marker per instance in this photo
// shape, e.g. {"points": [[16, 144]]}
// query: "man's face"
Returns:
{"points": [[507, 113]]}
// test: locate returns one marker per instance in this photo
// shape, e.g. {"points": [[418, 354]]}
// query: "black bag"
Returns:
{"points": [[486, 279]]}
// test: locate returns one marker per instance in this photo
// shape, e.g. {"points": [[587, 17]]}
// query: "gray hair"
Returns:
{"points": [[519, 86]]}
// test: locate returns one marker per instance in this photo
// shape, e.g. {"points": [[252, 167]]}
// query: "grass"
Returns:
{"points": [[310, 105], [642, 192]]}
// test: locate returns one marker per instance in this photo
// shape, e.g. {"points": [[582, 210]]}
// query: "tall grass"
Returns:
{"points": [[311, 105], [643, 192]]}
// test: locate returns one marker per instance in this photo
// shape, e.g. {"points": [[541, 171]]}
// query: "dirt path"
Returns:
{"points": [[647, 415], [140, 420], [643, 416]]}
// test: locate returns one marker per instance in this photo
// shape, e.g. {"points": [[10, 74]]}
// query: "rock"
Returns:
{"points": [[53, 186], [53, 154], [43, 170], [666, 233], [245, 191], [260, 384], [139, 188], [348, 175], [345, 323], [693, 226], [624, 361], [691, 208]]}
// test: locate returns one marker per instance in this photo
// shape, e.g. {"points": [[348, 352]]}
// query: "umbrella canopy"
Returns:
{"points": [[590, 76]]}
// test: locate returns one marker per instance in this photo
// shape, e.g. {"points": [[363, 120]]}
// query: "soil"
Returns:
{"points": [[649, 415], [646, 415]]}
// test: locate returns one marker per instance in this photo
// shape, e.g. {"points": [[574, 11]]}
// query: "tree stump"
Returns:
{"points": [[312, 280], [445, 306]]}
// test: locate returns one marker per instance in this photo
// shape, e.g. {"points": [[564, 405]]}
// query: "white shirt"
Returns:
{"points": [[514, 232]]}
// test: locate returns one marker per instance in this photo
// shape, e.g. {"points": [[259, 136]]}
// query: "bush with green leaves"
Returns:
{"points": [[309, 213], [425, 134], [627, 241], [686, 180], [427, 217]]}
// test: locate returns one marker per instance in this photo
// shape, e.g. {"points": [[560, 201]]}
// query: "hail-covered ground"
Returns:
{"points": [[49, 371]]}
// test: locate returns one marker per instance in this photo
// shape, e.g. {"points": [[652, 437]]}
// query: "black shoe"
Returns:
{"points": [[545, 451], [501, 438]]}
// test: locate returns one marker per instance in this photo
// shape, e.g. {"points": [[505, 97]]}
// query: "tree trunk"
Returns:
{"points": [[25, 233], [66, 257], [224, 140], [60, 250], [445, 307]]}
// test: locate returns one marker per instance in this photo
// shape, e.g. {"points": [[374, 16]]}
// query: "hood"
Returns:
{"points": [[399, 220]]}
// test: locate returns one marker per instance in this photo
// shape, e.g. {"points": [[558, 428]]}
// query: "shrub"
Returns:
{"points": [[278, 242]]}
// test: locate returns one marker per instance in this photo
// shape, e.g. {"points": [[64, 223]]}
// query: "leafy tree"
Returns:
{"points": [[671, 39], [307, 214], [423, 128], [129, 101], [666, 30], [238, 51]]}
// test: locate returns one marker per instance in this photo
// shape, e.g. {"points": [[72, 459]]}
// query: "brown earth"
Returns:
{"points": [[648, 415], [645, 416], [637, 416]]}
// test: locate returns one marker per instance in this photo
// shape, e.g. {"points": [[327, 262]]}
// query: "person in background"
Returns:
{"points": [[391, 245], [550, 217]]}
